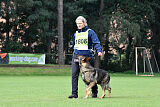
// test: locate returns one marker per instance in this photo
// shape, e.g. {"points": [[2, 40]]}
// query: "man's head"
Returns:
{"points": [[81, 22]]}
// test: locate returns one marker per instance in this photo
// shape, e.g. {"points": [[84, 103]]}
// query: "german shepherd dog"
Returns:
{"points": [[92, 76]]}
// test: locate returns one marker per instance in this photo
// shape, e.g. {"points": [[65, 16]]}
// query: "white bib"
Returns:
{"points": [[81, 40]]}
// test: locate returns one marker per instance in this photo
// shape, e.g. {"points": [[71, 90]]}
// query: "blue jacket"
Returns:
{"points": [[93, 42]]}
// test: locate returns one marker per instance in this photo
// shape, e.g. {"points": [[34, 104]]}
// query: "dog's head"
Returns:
{"points": [[83, 60]]}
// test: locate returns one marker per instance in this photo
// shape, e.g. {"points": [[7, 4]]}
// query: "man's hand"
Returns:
{"points": [[99, 53]]}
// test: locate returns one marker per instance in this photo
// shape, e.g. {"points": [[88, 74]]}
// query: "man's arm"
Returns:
{"points": [[96, 42]]}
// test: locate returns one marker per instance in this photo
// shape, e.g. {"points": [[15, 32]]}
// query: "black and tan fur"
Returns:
{"points": [[92, 76]]}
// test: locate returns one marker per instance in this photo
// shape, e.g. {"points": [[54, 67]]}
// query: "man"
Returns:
{"points": [[83, 41]]}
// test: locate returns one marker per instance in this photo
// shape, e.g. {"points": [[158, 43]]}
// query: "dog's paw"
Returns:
{"points": [[108, 96], [102, 96], [86, 97], [90, 94]]}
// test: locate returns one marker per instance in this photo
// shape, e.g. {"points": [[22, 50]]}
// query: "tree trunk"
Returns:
{"points": [[128, 51], [106, 55], [101, 6], [133, 62], [49, 48], [120, 62], [7, 22], [60, 33], [97, 59], [120, 57]]}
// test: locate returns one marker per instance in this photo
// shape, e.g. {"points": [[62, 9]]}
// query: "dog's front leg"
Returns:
{"points": [[88, 89], [88, 92]]}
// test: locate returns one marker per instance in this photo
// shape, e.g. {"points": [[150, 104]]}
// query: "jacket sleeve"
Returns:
{"points": [[73, 41], [95, 41]]}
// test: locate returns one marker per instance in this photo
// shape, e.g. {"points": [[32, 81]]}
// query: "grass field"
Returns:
{"points": [[52, 91]]}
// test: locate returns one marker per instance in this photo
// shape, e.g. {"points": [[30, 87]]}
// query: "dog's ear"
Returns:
{"points": [[88, 59], [84, 58]]}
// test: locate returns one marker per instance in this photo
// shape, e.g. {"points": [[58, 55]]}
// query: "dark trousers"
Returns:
{"points": [[75, 75]]}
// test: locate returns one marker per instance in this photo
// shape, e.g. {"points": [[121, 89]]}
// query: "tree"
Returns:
{"points": [[123, 33], [10, 42], [132, 26], [155, 32], [60, 33]]}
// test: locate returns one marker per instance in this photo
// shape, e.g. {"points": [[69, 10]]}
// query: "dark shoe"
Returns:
{"points": [[94, 95], [73, 96]]}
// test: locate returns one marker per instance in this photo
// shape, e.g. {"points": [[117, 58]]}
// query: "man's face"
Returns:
{"points": [[80, 24]]}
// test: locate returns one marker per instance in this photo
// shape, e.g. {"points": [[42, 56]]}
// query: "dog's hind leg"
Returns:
{"points": [[88, 89], [109, 90], [103, 92]]}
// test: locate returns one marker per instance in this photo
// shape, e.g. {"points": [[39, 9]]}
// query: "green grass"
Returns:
{"points": [[52, 91], [28, 71], [50, 87]]}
